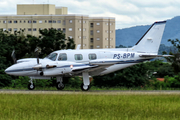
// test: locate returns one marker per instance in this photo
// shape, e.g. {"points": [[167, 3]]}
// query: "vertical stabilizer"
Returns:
{"points": [[150, 41]]}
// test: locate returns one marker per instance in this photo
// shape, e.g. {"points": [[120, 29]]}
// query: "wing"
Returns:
{"points": [[93, 70], [95, 66]]}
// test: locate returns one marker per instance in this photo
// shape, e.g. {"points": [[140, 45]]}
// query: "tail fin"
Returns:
{"points": [[150, 41]]}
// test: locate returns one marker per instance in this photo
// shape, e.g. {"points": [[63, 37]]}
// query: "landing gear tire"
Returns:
{"points": [[85, 87], [60, 86], [31, 86]]}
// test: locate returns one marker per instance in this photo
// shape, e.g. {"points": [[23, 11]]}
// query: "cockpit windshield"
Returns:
{"points": [[52, 56]]}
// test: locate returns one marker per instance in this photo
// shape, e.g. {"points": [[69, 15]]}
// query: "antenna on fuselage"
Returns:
{"points": [[78, 47]]}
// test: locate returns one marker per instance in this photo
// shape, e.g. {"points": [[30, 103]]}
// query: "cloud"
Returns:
{"points": [[154, 3], [126, 12]]}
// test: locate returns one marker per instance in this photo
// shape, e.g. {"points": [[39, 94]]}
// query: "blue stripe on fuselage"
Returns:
{"points": [[65, 66]]}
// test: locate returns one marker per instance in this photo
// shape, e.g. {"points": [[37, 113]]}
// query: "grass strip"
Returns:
{"points": [[83, 106]]}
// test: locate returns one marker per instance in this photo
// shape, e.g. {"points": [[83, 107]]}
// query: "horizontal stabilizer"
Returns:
{"points": [[155, 56]]}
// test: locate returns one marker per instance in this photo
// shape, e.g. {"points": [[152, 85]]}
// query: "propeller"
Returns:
{"points": [[38, 67], [14, 57], [37, 50]]}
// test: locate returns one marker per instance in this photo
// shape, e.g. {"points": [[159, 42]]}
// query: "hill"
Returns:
{"points": [[129, 36]]}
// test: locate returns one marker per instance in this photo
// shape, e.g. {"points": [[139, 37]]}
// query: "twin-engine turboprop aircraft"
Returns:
{"points": [[89, 62]]}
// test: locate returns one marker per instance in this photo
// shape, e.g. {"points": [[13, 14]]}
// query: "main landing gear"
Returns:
{"points": [[84, 86], [31, 85], [86, 83], [59, 84]]}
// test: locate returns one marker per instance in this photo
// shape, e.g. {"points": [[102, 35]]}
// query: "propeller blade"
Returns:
{"points": [[37, 54], [14, 56]]}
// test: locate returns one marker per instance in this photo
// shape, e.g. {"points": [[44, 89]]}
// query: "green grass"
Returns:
{"points": [[89, 106]]}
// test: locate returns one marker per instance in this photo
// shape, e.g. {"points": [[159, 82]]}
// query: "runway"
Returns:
{"points": [[95, 92]]}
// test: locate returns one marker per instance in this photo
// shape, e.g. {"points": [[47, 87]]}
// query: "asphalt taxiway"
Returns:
{"points": [[108, 92]]}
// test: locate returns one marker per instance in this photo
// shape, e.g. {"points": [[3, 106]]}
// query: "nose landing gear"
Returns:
{"points": [[59, 84], [31, 85]]}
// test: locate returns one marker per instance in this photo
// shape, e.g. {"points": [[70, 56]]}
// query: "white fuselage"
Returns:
{"points": [[113, 59], [91, 61]]}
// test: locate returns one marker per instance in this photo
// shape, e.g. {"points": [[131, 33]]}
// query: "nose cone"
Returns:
{"points": [[9, 70], [14, 69], [22, 69]]}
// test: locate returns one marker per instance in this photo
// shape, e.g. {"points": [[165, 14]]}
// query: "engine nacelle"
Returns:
{"points": [[56, 71], [56, 68]]}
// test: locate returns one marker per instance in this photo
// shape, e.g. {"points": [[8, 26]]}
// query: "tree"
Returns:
{"points": [[24, 45], [160, 68], [52, 40], [8, 42], [164, 70], [175, 60], [134, 76]]}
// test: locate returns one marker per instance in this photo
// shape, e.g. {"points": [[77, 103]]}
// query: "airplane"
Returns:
{"points": [[89, 62]]}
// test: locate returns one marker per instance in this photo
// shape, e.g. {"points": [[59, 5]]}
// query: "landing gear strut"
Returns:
{"points": [[31, 85], [86, 83], [59, 84]]}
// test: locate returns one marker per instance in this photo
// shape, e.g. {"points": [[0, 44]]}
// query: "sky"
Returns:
{"points": [[127, 13]]}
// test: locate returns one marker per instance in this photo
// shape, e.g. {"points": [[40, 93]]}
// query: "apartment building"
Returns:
{"points": [[91, 32]]}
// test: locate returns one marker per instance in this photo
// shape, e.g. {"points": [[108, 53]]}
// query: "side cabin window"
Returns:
{"points": [[52, 56], [78, 56], [92, 56], [62, 57]]}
